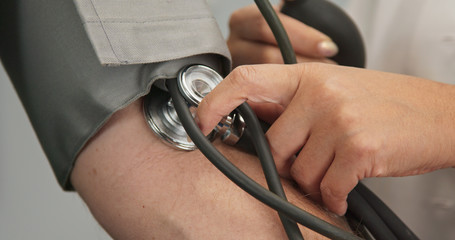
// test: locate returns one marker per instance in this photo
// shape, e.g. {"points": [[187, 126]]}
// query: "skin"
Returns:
{"points": [[139, 188], [349, 123], [251, 41]]}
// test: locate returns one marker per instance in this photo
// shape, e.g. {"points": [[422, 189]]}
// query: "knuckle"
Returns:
{"points": [[326, 94], [326, 89], [363, 148], [331, 192], [277, 154], [303, 179], [346, 117], [330, 90], [296, 173], [243, 75], [378, 170]]}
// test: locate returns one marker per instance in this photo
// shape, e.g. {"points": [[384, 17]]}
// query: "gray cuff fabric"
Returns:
{"points": [[143, 31], [62, 77]]}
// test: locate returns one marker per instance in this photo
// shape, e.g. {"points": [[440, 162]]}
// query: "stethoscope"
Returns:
{"points": [[171, 117]]}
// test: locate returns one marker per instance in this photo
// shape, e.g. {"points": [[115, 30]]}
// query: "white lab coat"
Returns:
{"points": [[414, 37]]}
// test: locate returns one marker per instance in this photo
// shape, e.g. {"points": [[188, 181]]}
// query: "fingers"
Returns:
{"points": [[312, 163], [288, 134], [260, 84], [262, 53], [303, 59], [248, 52], [248, 24], [267, 112], [355, 158], [327, 175], [307, 40], [338, 182]]}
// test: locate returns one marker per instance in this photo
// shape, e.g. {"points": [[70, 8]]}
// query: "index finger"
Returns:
{"points": [[268, 83]]}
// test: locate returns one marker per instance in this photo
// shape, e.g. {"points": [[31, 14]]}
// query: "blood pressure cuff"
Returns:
{"points": [[75, 63]]}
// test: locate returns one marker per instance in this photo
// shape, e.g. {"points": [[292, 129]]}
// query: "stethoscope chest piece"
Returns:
{"points": [[194, 81], [162, 118]]}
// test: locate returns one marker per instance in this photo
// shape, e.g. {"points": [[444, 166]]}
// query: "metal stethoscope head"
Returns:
{"points": [[195, 82]]}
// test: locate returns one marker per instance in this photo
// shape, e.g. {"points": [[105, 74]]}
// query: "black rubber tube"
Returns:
{"points": [[287, 51], [328, 18], [386, 214], [268, 165], [366, 215], [245, 182], [364, 206]]}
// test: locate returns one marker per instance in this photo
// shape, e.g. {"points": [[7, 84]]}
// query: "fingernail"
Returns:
{"points": [[328, 48]]}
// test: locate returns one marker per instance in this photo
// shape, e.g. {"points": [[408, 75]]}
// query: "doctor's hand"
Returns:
{"points": [[252, 42], [348, 123]]}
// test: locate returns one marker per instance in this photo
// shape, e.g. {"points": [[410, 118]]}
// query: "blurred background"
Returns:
{"points": [[33, 206]]}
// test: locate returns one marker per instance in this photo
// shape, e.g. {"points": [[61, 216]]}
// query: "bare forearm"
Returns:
{"points": [[139, 188]]}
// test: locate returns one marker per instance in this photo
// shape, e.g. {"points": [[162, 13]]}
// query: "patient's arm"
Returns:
{"points": [[139, 188]]}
